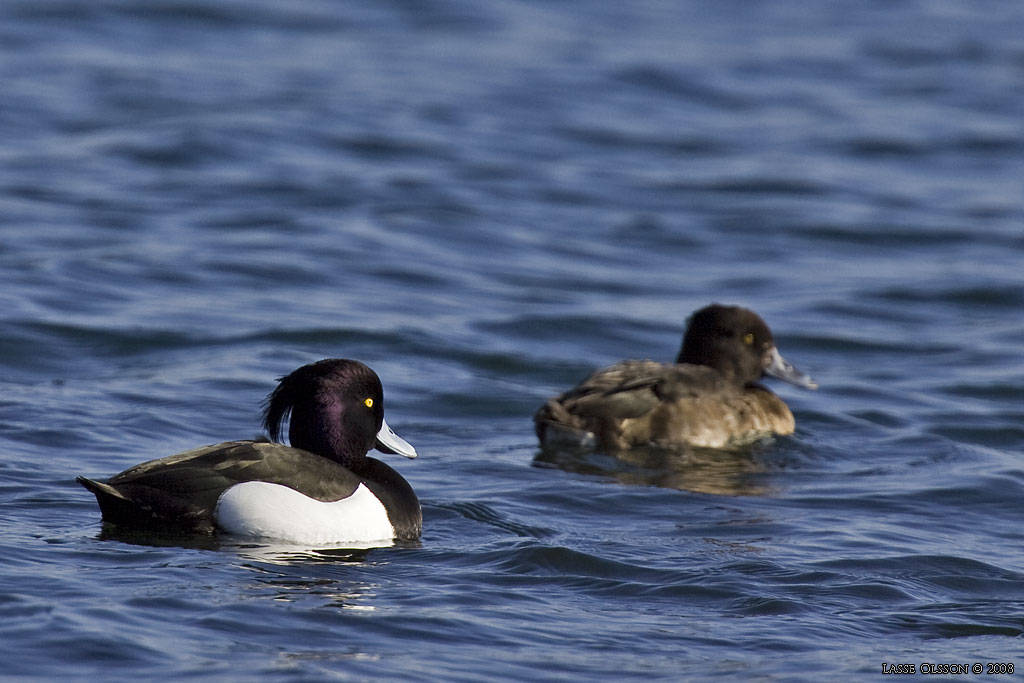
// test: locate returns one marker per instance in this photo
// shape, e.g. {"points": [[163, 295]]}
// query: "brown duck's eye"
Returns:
{"points": [[748, 338], [368, 402]]}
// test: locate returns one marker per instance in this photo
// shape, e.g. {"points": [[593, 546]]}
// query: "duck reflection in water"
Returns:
{"points": [[259, 550], [727, 472]]}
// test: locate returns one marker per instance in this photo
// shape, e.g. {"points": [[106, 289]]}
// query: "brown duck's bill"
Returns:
{"points": [[389, 442], [779, 368]]}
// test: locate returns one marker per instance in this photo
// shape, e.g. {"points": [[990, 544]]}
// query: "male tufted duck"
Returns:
{"points": [[321, 489]]}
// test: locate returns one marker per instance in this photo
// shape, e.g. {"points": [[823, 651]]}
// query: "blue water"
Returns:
{"points": [[484, 202]]}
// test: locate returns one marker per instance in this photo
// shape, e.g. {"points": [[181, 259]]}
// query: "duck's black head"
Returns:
{"points": [[337, 411], [738, 344]]}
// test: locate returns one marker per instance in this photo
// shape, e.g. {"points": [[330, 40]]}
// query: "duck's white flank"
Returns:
{"points": [[262, 509]]}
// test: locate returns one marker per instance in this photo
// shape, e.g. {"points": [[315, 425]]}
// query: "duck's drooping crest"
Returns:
{"points": [[709, 397]]}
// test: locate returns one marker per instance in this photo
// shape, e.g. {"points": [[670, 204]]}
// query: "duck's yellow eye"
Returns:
{"points": [[368, 403], [748, 338]]}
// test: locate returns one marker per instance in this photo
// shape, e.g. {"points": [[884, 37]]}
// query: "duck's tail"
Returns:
{"points": [[556, 427], [114, 505], [99, 488]]}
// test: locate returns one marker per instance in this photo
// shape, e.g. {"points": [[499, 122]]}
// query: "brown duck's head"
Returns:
{"points": [[738, 344]]}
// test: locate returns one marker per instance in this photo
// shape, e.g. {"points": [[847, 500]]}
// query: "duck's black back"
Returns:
{"points": [[182, 490]]}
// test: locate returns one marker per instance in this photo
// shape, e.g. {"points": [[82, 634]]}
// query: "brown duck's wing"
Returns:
{"points": [[183, 489], [633, 388], [593, 411], [618, 391]]}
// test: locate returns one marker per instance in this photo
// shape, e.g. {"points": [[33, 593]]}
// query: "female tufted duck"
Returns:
{"points": [[321, 489], [709, 397]]}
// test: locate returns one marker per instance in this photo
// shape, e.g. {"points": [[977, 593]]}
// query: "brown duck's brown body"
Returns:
{"points": [[710, 397], [637, 403]]}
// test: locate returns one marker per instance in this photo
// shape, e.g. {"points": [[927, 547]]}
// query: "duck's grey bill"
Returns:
{"points": [[389, 442], [779, 368]]}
